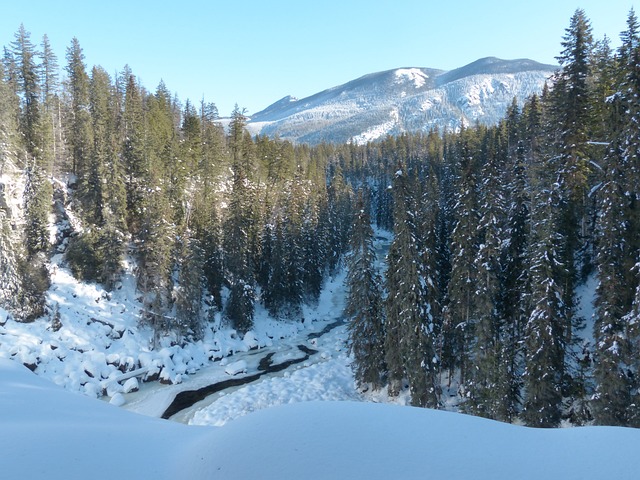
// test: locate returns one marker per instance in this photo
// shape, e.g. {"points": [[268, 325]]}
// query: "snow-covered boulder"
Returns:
{"points": [[131, 385], [117, 400], [236, 367]]}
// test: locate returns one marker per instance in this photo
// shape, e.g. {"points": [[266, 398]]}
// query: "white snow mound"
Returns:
{"points": [[51, 433]]}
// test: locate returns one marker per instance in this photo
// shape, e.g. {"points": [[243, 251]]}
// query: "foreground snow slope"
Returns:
{"points": [[48, 432]]}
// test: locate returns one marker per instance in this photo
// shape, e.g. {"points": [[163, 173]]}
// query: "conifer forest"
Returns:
{"points": [[496, 228]]}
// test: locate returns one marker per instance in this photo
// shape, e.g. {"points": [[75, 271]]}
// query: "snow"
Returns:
{"points": [[360, 109], [49, 432], [236, 367], [378, 131], [101, 343], [411, 75], [585, 293], [327, 376], [307, 420]]}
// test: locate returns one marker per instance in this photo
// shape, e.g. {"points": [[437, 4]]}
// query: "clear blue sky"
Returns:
{"points": [[256, 52]]}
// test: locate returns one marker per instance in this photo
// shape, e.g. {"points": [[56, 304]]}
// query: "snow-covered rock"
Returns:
{"points": [[131, 385], [117, 400], [235, 368]]}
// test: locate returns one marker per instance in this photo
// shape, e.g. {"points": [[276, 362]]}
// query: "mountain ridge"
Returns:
{"points": [[402, 100]]}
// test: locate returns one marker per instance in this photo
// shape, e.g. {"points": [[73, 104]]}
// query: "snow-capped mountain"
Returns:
{"points": [[404, 100]]}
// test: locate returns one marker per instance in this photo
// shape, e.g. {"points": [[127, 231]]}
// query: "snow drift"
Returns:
{"points": [[49, 432]]}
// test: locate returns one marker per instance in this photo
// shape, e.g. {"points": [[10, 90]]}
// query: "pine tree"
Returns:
{"points": [[189, 289], [626, 106], [92, 183], [515, 283], [617, 245], [79, 123], [206, 227], [340, 198], [37, 205], [545, 337], [364, 307], [52, 144], [632, 323], [134, 154], [238, 233], [28, 81], [10, 281], [8, 123], [488, 383], [571, 108], [410, 342], [154, 262], [461, 296], [312, 250], [274, 270], [612, 396]]}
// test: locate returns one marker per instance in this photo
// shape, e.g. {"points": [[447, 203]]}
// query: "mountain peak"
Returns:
{"points": [[416, 76], [407, 99], [493, 66], [281, 104]]}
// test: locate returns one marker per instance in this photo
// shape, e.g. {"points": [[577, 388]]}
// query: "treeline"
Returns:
{"points": [[496, 229], [214, 219]]}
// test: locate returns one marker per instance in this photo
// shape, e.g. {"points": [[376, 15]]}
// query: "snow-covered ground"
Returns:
{"points": [[50, 432], [305, 421], [101, 339]]}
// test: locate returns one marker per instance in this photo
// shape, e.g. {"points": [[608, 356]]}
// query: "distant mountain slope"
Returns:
{"points": [[402, 100]]}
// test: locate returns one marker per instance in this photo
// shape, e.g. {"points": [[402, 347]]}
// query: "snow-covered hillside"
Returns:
{"points": [[403, 100], [48, 432]]}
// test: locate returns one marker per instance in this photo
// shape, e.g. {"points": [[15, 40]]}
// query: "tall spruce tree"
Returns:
{"points": [[612, 395], [545, 336], [632, 324], [488, 384], [571, 103], [79, 122], [188, 292], [364, 308], [239, 226], [410, 320], [461, 296], [617, 247]]}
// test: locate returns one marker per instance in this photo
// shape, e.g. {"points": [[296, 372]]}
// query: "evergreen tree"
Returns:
{"points": [[206, 227], [632, 323], [134, 154], [79, 123], [154, 262], [312, 250], [339, 205], [461, 293], [364, 307], [545, 331], [8, 123], [51, 117], [626, 109], [189, 289], [10, 281], [37, 205], [238, 233], [488, 383], [409, 315], [572, 111], [28, 78], [513, 305], [612, 396]]}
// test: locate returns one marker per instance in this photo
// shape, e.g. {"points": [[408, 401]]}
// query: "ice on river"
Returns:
{"points": [[327, 380]]}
